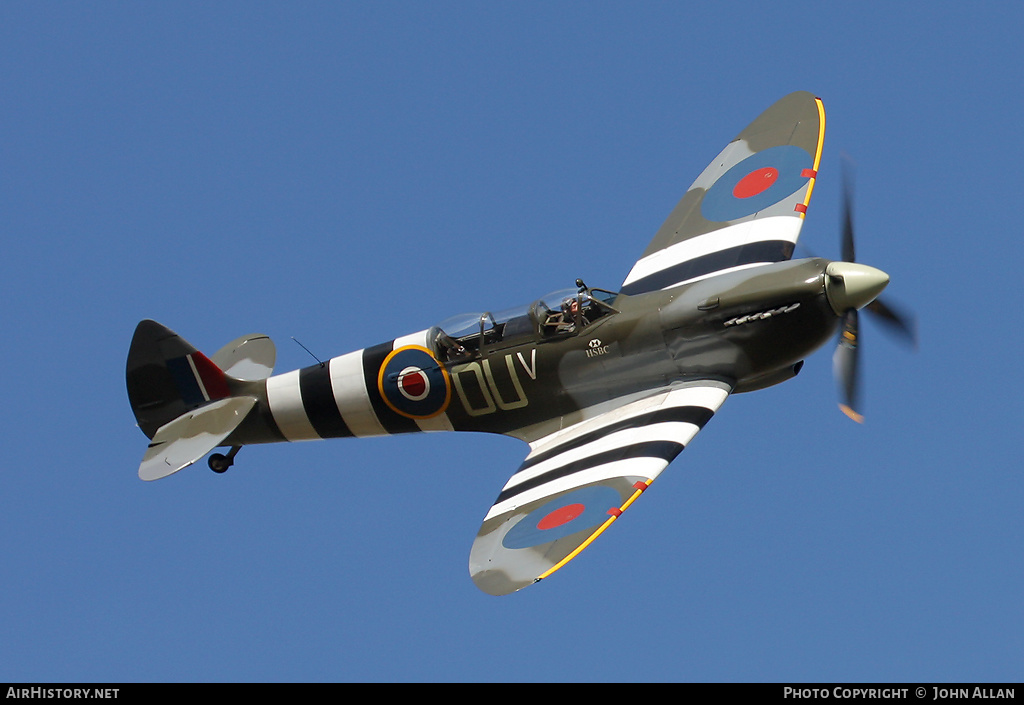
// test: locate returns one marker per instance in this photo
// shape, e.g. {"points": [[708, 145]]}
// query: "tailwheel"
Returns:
{"points": [[219, 462]]}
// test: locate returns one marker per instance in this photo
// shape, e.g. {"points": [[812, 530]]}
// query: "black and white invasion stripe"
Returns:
{"points": [[340, 398], [639, 439], [763, 240]]}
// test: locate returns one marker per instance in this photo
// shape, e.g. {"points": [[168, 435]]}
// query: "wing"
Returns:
{"points": [[577, 481], [748, 205]]}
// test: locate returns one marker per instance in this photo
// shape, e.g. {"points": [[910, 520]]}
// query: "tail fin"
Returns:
{"points": [[167, 377], [183, 401]]}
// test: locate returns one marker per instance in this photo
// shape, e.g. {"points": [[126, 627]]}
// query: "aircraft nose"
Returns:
{"points": [[849, 285]]}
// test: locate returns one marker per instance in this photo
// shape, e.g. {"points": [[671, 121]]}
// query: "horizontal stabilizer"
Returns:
{"points": [[192, 435], [250, 357]]}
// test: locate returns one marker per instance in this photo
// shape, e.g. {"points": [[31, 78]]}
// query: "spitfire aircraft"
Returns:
{"points": [[607, 386]]}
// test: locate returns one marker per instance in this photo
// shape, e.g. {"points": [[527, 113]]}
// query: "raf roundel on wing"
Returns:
{"points": [[563, 516], [759, 181]]}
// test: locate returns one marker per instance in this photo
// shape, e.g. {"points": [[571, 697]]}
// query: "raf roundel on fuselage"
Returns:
{"points": [[414, 384]]}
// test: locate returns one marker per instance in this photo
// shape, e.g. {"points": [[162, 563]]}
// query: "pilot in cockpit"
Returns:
{"points": [[570, 314]]}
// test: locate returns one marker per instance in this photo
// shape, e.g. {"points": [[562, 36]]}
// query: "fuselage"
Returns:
{"points": [[750, 328]]}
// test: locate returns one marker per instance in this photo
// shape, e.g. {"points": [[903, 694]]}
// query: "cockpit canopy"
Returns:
{"points": [[556, 315]]}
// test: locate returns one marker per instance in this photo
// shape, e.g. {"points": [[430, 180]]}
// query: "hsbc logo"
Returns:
{"points": [[596, 348]]}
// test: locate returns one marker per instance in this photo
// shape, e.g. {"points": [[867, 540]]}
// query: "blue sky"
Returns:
{"points": [[348, 172]]}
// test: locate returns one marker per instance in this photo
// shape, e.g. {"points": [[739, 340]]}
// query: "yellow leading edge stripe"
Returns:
{"points": [[817, 154], [600, 530]]}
